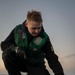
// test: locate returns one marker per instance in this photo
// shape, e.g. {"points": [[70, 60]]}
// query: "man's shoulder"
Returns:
{"points": [[19, 26]]}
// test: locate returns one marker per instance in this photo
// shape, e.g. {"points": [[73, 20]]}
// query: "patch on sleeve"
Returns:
{"points": [[52, 49]]}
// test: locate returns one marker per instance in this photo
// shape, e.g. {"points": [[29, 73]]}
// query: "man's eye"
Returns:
{"points": [[33, 28], [36, 28]]}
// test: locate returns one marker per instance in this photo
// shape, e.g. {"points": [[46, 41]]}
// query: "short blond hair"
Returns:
{"points": [[34, 16]]}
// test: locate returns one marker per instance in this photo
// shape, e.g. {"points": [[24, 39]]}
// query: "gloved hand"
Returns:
{"points": [[20, 53]]}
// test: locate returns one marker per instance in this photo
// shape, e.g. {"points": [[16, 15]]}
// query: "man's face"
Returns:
{"points": [[34, 28]]}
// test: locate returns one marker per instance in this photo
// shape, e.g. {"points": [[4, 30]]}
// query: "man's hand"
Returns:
{"points": [[20, 53]]}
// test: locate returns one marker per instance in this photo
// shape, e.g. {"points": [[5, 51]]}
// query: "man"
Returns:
{"points": [[26, 48]]}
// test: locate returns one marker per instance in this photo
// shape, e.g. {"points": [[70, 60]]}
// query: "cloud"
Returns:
{"points": [[68, 63], [70, 56]]}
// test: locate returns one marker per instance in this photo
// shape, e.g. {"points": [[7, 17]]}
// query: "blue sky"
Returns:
{"points": [[58, 21]]}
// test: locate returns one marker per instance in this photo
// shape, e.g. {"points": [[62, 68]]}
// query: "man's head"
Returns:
{"points": [[34, 22]]}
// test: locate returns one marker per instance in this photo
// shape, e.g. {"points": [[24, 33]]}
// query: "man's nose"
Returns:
{"points": [[37, 30]]}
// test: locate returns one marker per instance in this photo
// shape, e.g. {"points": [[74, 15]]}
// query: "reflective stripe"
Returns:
{"points": [[38, 40]]}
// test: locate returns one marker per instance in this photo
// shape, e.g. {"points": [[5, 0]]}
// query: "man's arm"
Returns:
{"points": [[8, 42], [52, 59]]}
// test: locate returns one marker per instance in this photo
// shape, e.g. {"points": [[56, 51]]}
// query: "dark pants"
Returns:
{"points": [[15, 65]]}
